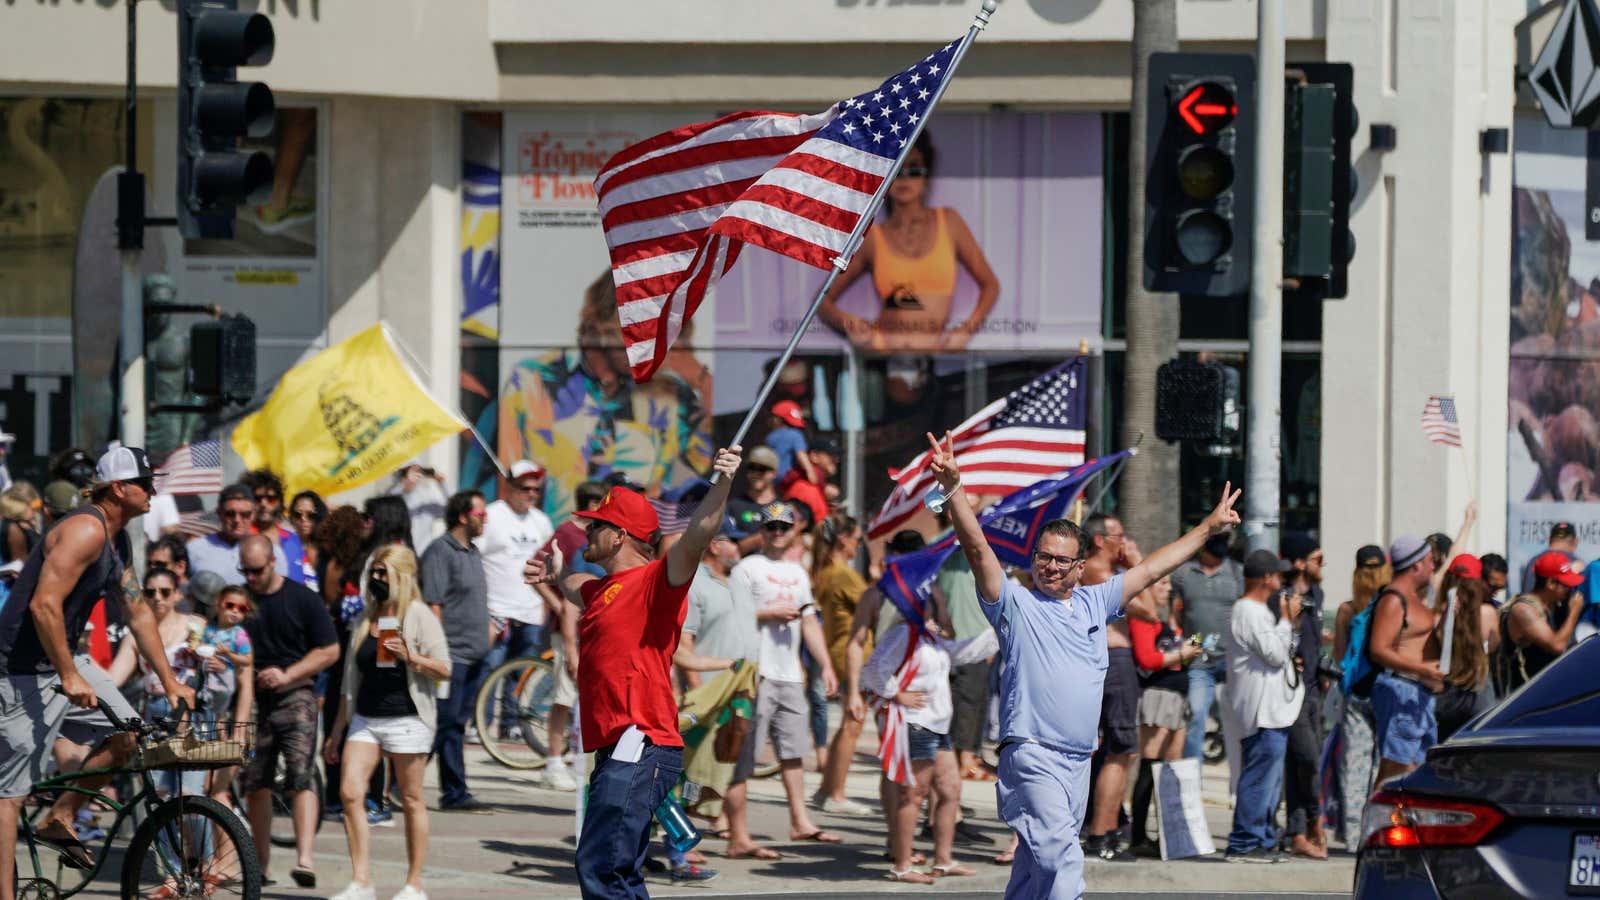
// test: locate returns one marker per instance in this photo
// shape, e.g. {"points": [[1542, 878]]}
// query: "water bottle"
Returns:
{"points": [[681, 835], [935, 500]]}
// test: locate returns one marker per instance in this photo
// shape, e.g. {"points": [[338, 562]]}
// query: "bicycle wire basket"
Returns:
{"points": [[199, 745]]}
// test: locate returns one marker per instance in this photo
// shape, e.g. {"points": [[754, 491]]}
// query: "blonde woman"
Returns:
{"points": [[388, 706], [1357, 763]]}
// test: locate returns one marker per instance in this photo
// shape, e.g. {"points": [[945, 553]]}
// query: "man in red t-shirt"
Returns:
{"points": [[628, 632]]}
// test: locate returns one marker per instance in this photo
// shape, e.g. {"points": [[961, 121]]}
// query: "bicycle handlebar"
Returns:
{"points": [[134, 725]]}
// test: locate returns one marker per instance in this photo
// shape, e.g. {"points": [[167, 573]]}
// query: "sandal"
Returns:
{"points": [[1005, 858], [820, 836], [74, 853], [953, 870], [912, 876], [303, 877], [754, 853]]}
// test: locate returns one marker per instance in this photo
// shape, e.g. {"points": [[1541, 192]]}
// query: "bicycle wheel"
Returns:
{"points": [[191, 847], [519, 744], [283, 810]]}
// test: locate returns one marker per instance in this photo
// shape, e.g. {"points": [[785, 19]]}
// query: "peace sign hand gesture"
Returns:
{"points": [[942, 463], [1224, 516]]}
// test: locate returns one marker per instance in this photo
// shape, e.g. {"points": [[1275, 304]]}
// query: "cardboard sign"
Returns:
{"points": [[1184, 832]]}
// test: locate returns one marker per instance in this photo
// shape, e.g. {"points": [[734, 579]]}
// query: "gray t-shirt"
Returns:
{"points": [[212, 554], [1208, 599], [453, 580], [723, 628]]}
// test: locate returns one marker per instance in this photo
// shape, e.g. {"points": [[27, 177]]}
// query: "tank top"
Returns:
{"points": [[1522, 660], [898, 277], [20, 649]]}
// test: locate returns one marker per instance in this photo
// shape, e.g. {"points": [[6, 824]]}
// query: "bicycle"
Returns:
{"points": [[182, 847], [531, 681]]}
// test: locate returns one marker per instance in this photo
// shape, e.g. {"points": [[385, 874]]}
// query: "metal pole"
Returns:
{"points": [[842, 261], [1263, 456], [131, 344]]}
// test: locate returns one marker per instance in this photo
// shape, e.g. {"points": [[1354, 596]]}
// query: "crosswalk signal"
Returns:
{"points": [[214, 111], [1200, 170]]}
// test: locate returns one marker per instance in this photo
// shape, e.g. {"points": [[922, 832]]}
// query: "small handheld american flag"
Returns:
{"points": [[1439, 422], [191, 469]]}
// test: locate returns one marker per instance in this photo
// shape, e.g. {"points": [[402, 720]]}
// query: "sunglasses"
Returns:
{"points": [[779, 527], [153, 593], [236, 607], [148, 485], [305, 515], [758, 469], [268, 498], [236, 513], [252, 570], [913, 171]]}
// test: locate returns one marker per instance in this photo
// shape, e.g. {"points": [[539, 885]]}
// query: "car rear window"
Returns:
{"points": [[1565, 694]]}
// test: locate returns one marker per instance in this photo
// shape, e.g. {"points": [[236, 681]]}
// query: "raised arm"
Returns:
{"points": [[1161, 562], [684, 557], [1456, 546], [986, 568]]}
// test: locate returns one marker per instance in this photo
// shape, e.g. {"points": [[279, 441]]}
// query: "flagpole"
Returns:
{"points": [[842, 261]]}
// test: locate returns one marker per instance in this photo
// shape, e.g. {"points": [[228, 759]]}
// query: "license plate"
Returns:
{"points": [[1584, 874]]}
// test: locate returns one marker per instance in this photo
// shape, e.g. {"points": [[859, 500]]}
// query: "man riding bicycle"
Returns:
{"points": [[49, 690]]}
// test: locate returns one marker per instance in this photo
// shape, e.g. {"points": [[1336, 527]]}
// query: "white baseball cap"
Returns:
{"points": [[526, 467], [122, 464]]}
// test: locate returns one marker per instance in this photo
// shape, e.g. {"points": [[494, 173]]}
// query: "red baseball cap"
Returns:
{"points": [[1467, 566], [1557, 567], [789, 411], [627, 509]]}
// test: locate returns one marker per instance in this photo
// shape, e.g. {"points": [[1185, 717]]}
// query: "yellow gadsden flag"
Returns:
{"points": [[348, 416]]}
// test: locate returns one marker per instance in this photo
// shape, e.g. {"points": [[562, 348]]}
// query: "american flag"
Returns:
{"points": [[673, 517], [191, 469], [1034, 432], [1439, 422], [678, 207]]}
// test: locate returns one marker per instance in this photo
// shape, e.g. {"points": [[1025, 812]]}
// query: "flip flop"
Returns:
{"points": [[820, 836], [303, 877], [74, 854], [757, 853], [911, 875], [1005, 858], [954, 870]]}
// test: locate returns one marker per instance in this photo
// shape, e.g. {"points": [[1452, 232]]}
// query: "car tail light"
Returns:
{"points": [[1395, 819]]}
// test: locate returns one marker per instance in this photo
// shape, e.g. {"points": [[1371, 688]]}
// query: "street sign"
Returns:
{"points": [[1566, 76]]}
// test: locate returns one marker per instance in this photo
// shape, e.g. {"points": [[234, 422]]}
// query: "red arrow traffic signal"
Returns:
{"points": [[1207, 107]]}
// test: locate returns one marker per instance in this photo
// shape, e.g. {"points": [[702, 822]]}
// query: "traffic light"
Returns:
{"points": [[1199, 173], [222, 359], [1198, 401], [1319, 181], [214, 111]]}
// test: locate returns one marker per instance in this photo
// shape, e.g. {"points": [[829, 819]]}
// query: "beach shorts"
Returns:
{"points": [[1404, 713]]}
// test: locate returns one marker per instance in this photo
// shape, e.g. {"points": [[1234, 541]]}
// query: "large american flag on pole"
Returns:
{"points": [[677, 208], [191, 469], [1032, 433]]}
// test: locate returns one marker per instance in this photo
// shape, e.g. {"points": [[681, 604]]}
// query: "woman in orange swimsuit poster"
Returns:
{"points": [[913, 253]]}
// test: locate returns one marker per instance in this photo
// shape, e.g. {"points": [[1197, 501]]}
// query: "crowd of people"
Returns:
{"points": [[362, 635]]}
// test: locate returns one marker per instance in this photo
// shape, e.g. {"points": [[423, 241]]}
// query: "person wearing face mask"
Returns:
{"points": [[396, 657]]}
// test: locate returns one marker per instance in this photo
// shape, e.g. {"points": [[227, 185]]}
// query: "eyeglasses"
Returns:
{"points": [[236, 513], [236, 607], [268, 498], [778, 527], [304, 515], [1060, 562], [252, 570], [153, 593], [913, 172], [758, 469]]}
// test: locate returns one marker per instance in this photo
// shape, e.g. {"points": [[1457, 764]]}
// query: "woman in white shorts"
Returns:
{"points": [[389, 708]]}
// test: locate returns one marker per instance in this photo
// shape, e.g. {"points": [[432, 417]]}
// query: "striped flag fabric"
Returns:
{"points": [[1034, 432], [894, 734], [191, 469], [1439, 422], [677, 208]]}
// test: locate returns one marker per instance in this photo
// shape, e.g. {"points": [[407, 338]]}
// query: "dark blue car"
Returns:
{"points": [[1508, 807]]}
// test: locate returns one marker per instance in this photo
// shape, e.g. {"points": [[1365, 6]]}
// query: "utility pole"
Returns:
{"points": [[130, 239], [1263, 456]]}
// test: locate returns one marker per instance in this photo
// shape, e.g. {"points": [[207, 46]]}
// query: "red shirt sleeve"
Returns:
{"points": [[1143, 635]]}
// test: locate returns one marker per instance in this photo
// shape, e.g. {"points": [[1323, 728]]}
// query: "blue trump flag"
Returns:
{"points": [[1011, 526]]}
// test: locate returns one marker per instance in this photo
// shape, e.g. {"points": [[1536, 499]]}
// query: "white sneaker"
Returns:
{"points": [[472, 735], [353, 891], [845, 807], [410, 893], [558, 777]]}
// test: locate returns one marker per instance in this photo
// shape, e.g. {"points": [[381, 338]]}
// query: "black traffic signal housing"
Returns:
{"points": [[1199, 173], [222, 359], [1198, 401], [1319, 179], [214, 111]]}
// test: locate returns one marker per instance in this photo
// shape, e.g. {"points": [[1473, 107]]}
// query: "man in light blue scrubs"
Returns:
{"points": [[1053, 643]]}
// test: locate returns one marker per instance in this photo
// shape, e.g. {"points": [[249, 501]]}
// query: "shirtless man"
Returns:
{"points": [[1539, 625], [1405, 650], [1119, 711]]}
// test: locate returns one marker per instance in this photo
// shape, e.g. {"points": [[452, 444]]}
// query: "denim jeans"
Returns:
{"points": [[1203, 681], [616, 825], [521, 640], [1260, 788], [816, 699], [449, 740]]}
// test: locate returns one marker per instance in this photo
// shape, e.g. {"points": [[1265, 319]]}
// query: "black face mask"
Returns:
{"points": [[378, 589]]}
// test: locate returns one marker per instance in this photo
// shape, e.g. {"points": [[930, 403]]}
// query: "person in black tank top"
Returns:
{"points": [[41, 623]]}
